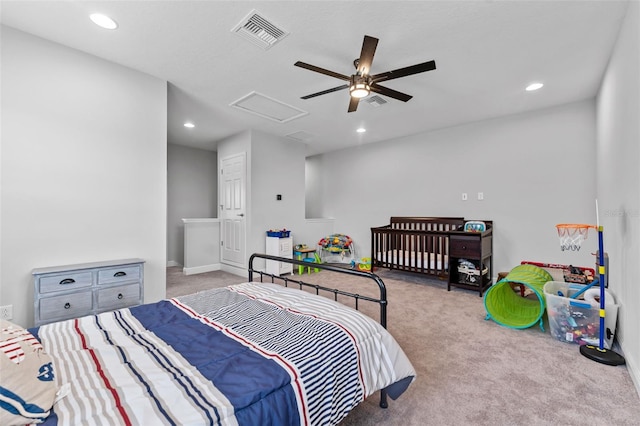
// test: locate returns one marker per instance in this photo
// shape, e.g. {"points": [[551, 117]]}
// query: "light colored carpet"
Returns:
{"points": [[472, 371]]}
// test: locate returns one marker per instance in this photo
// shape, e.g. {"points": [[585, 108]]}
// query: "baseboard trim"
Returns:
{"points": [[242, 272], [171, 263], [201, 269], [633, 370]]}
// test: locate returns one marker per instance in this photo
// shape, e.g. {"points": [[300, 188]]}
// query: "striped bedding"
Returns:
{"points": [[248, 354]]}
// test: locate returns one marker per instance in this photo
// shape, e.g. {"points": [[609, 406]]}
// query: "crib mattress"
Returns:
{"points": [[412, 259]]}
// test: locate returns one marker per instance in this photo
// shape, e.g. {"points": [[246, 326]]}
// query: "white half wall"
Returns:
{"points": [[201, 245], [83, 166]]}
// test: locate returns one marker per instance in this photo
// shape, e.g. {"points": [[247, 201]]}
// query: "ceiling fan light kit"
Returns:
{"points": [[359, 87], [361, 84]]}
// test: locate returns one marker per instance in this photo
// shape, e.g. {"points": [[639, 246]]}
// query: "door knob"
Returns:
{"points": [[241, 215]]}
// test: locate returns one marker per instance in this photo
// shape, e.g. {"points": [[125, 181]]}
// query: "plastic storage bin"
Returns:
{"points": [[279, 234], [577, 320]]}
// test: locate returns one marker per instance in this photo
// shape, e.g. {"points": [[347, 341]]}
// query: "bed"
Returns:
{"points": [[253, 353]]}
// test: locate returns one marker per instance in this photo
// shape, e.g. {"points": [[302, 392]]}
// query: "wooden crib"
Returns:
{"points": [[422, 245]]}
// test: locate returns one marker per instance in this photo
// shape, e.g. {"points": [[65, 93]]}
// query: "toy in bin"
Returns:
{"points": [[280, 233], [574, 314], [469, 273]]}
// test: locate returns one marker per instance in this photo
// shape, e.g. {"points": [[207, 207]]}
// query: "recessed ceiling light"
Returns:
{"points": [[534, 86], [103, 21], [189, 125], [361, 130]]}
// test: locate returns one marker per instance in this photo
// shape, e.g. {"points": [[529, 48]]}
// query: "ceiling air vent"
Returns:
{"points": [[259, 30], [375, 101]]}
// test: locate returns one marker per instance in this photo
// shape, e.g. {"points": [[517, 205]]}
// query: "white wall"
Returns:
{"points": [[535, 170], [192, 192], [280, 171], [618, 182], [83, 166], [313, 178]]}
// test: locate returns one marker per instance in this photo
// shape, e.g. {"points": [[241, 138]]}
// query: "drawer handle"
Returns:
{"points": [[464, 247], [120, 274], [120, 296], [67, 281], [67, 305]]}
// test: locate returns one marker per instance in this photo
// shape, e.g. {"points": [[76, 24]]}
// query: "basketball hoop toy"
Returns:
{"points": [[571, 237]]}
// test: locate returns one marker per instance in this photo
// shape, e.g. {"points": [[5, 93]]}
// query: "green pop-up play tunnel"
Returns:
{"points": [[508, 308]]}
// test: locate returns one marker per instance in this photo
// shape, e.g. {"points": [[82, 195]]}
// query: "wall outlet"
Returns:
{"points": [[464, 196], [6, 312]]}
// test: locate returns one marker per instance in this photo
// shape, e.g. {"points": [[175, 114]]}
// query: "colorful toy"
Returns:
{"points": [[363, 264], [475, 226], [336, 243], [509, 309], [339, 244]]}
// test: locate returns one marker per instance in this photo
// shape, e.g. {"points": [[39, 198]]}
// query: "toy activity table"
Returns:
{"points": [[304, 254]]}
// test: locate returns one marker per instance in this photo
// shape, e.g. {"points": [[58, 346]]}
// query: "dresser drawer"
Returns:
{"points": [[65, 282], [121, 274], [117, 297], [65, 306], [460, 246]]}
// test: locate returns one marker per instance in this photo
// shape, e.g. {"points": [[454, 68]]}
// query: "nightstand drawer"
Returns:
{"points": [[117, 297], [122, 274], [65, 306], [464, 246]]}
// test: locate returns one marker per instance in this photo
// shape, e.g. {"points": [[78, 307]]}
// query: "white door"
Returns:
{"points": [[232, 209]]}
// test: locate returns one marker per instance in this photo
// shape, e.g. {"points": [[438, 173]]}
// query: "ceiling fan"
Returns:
{"points": [[362, 82]]}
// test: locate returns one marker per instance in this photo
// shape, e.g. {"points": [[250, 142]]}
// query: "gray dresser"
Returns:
{"points": [[71, 291]]}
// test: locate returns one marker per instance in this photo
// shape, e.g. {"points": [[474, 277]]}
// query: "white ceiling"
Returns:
{"points": [[486, 52]]}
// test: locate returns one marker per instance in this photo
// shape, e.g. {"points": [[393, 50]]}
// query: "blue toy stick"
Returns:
{"points": [[602, 273], [586, 287]]}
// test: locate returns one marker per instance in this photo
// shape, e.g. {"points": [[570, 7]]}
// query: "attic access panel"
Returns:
{"points": [[269, 108]]}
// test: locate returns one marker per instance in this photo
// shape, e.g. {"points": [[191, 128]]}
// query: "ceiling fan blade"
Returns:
{"points": [[403, 72], [353, 104], [369, 45], [324, 92], [321, 70], [390, 92]]}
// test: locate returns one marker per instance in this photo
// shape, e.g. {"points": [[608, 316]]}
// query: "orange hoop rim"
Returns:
{"points": [[575, 225], [570, 229]]}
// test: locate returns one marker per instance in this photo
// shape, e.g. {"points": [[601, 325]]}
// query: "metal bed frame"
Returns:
{"points": [[286, 279]]}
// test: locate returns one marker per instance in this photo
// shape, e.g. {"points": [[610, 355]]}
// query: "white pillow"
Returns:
{"points": [[27, 389]]}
